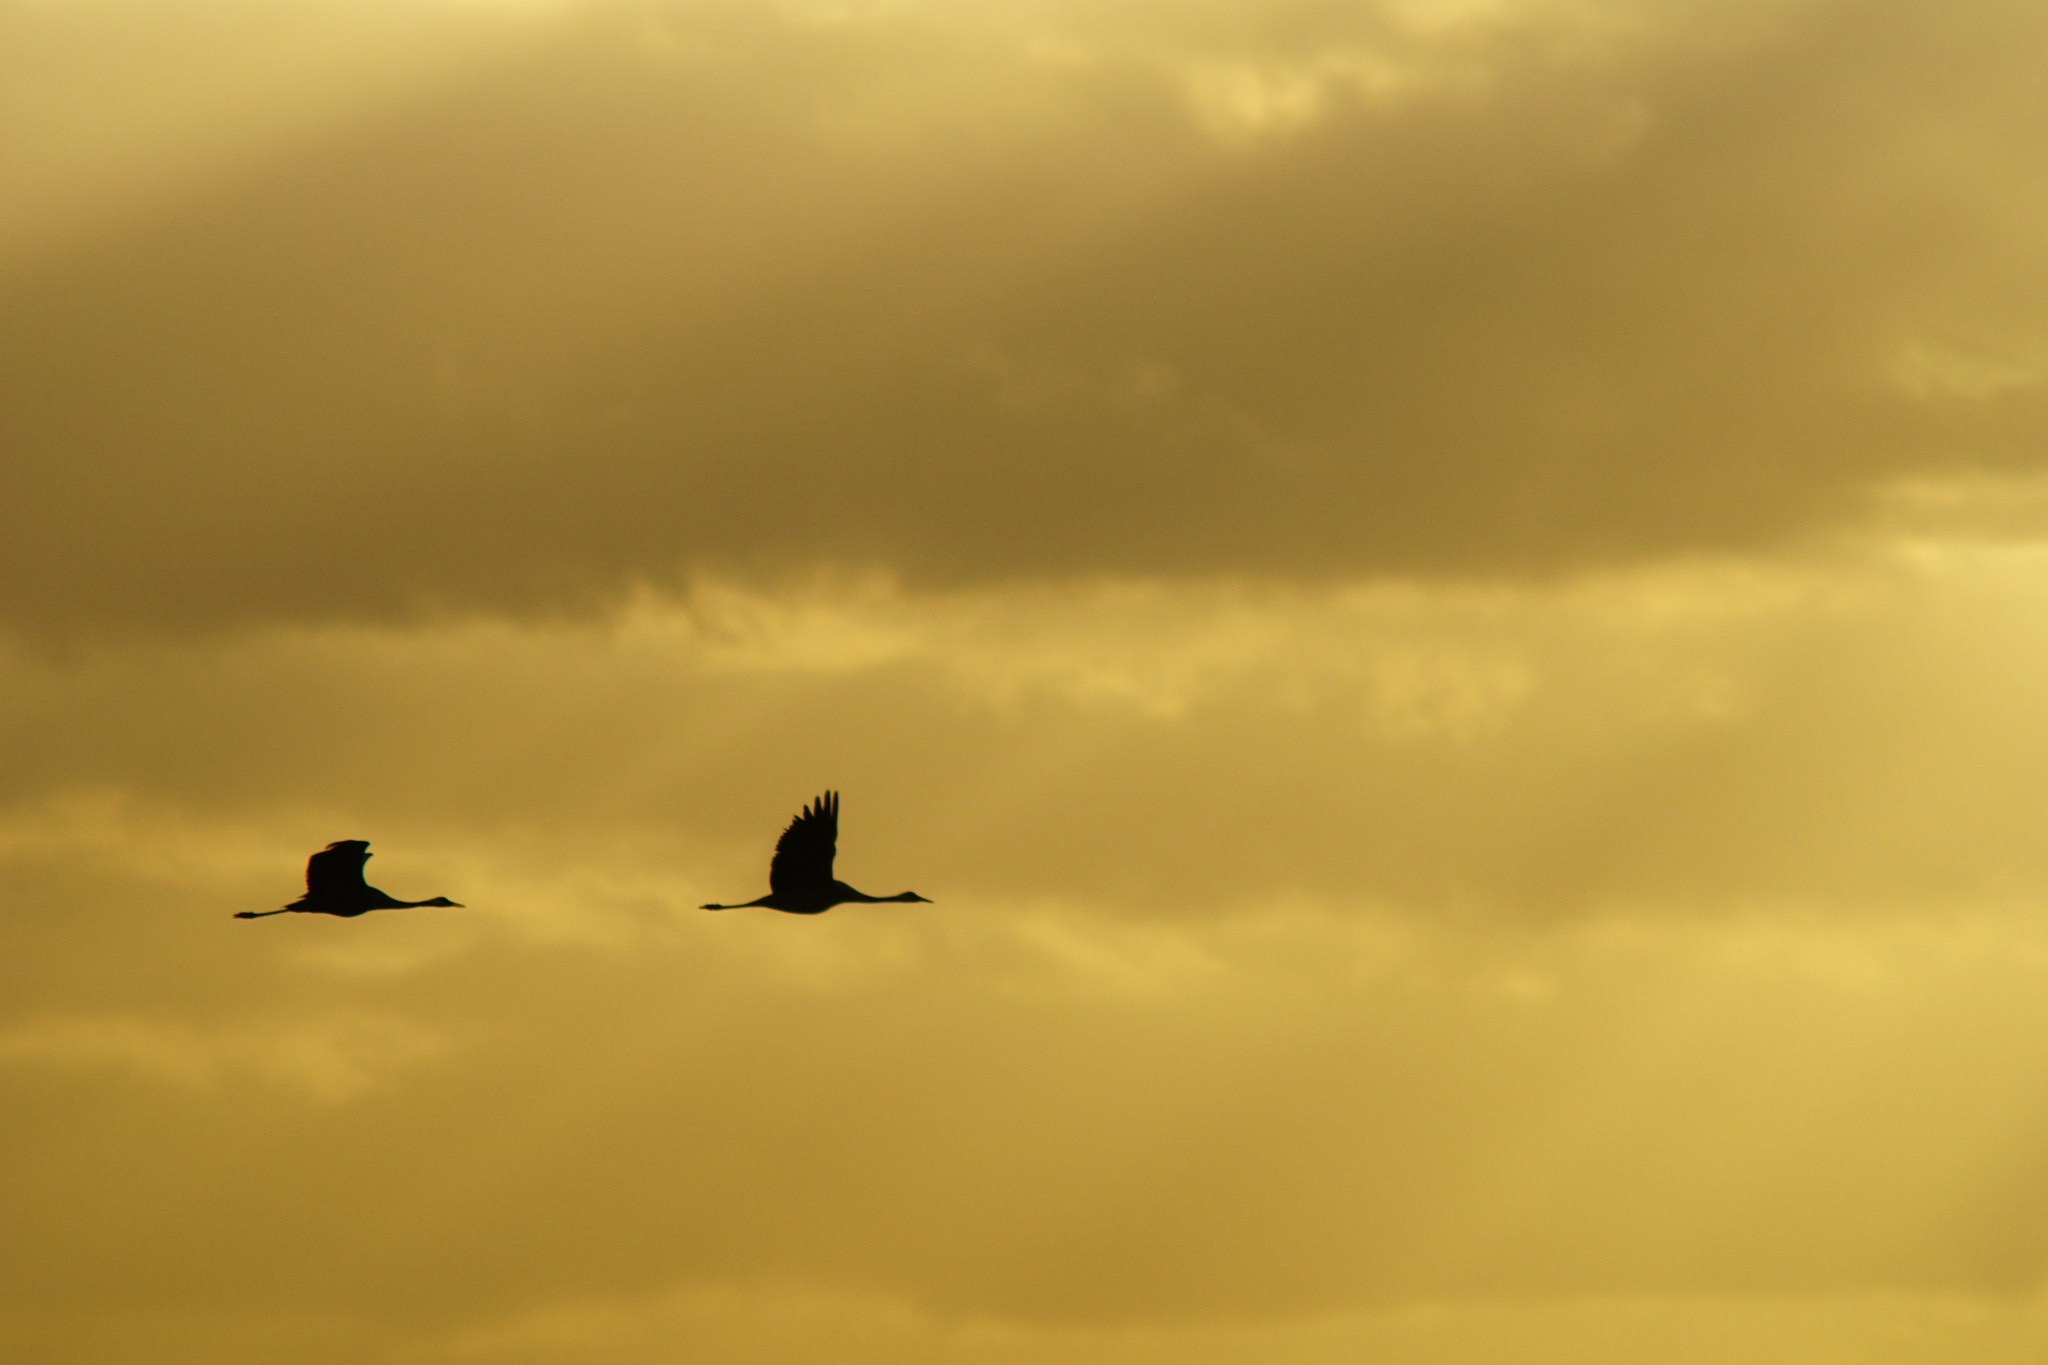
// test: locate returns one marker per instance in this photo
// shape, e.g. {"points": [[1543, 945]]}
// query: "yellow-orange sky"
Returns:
{"points": [[1449, 597]]}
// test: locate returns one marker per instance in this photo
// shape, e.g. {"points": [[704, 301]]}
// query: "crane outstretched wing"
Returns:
{"points": [[803, 855], [337, 868]]}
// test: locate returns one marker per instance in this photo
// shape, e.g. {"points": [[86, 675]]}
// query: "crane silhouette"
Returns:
{"points": [[335, 886], [800, 877]]}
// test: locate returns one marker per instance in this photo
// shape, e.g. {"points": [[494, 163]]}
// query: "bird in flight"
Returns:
{"points": [[335, 886], [800, 877]]}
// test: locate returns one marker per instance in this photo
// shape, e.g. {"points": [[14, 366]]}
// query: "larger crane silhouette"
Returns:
{"points": [[335, 886], [800, 880]]}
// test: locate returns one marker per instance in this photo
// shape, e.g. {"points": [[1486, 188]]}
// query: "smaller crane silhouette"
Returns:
{"points": [[335, 886], [800, 879]]}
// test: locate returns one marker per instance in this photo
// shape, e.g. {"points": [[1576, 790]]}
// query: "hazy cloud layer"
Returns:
{"points": [[1042, 1120], [1296, 953], [1445, 595], [1849, 732], [769, 1325], [570, 299], [330, 1059]]}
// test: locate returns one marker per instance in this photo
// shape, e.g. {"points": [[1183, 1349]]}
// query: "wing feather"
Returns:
{"points": [[336, 869], [803, 855]]}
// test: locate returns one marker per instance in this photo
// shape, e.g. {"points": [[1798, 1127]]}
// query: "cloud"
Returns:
{"points": [[1854, 728], [1702, 960], [1262, 510], [119, 104], [1699, 734], [759, 1325], [995, 1147], [774, 1324], [330, 1060], [984, 295]]}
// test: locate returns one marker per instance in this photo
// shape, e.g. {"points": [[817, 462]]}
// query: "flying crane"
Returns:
{"points": [[800, 879], [335, 886]]}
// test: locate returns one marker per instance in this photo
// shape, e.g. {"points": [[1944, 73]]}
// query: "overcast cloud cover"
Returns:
{"points": [[982, 291], [1445, 595]]}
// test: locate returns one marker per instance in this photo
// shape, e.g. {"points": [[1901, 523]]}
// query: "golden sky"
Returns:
{"points": [[1448, 597]]}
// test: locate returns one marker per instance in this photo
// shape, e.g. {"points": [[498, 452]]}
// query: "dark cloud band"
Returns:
{"points": [[1311, 295]]}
